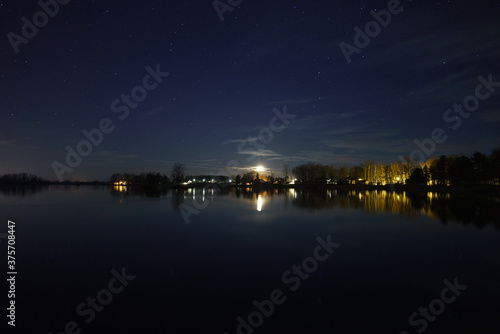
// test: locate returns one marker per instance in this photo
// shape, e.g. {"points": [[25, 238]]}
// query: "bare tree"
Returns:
{"points": [[177, 173], [286, 170]]}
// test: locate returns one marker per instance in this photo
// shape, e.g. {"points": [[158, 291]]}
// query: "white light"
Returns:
{"points": [[259, 169], [259, 203]]}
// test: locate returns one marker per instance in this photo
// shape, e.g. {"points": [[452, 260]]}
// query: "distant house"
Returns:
{"points": [[344, 181], [258, 182]]}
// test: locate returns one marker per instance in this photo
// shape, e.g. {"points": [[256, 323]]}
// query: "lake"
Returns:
{"points": [[122, 260]]}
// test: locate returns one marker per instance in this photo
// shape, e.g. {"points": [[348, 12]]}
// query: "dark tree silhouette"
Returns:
{"points": [[418, 177], [461, 171], [439, 170], [286, 171], [21, 179], [177, 173], [116, 177]]}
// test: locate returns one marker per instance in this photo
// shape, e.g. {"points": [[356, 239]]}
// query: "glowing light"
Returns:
{"points": [[259, 169], [120, 188], [259, 203]]}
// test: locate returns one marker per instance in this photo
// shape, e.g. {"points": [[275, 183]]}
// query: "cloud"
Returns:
{"points": [[433, 44], [262, 153], [326, 120], [291, 158], [115, 155], [343, 131], [7, 143], [154, 111], [232, 141]]}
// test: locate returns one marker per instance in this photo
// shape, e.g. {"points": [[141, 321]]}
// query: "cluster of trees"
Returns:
{"points": [[21, 179], [476, 169], [251, 176], [317, 173], [151, 178], [177, 175], [370, 171]]}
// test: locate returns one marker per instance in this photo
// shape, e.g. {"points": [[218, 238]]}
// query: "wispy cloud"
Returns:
{"points": [[154, 111], [291, 158], [261, 153], [8, 143], [326, 120], [232, 141], [435, 45], [115, 155]]}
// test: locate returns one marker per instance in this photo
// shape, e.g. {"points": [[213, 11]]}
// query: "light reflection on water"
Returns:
{"points": [[435, 205]]}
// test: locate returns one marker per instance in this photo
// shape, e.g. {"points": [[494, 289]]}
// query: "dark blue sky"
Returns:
{"points": [[226, 77]]}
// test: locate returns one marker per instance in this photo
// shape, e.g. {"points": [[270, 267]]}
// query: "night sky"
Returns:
{"points": [[226, 77]]}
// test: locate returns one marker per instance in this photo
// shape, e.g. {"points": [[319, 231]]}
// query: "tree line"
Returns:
{"points": [[462, 170], [22, 179], [177, 175], [479, 169], [446, 170]]}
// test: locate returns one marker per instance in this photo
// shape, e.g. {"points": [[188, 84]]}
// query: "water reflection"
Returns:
{"points": [[259, 203], [120, 188], [22, 190], [130, 191], [477, 210]]}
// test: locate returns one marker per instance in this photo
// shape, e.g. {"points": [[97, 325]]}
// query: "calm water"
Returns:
{"points": [[391, 257]]}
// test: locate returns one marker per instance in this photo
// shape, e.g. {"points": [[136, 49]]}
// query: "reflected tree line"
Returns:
{"points": [[477, 210], [447, 207], [22, 184]]}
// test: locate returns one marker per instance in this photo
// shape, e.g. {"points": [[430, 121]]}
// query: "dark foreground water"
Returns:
{"points": [[102, 260]]}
